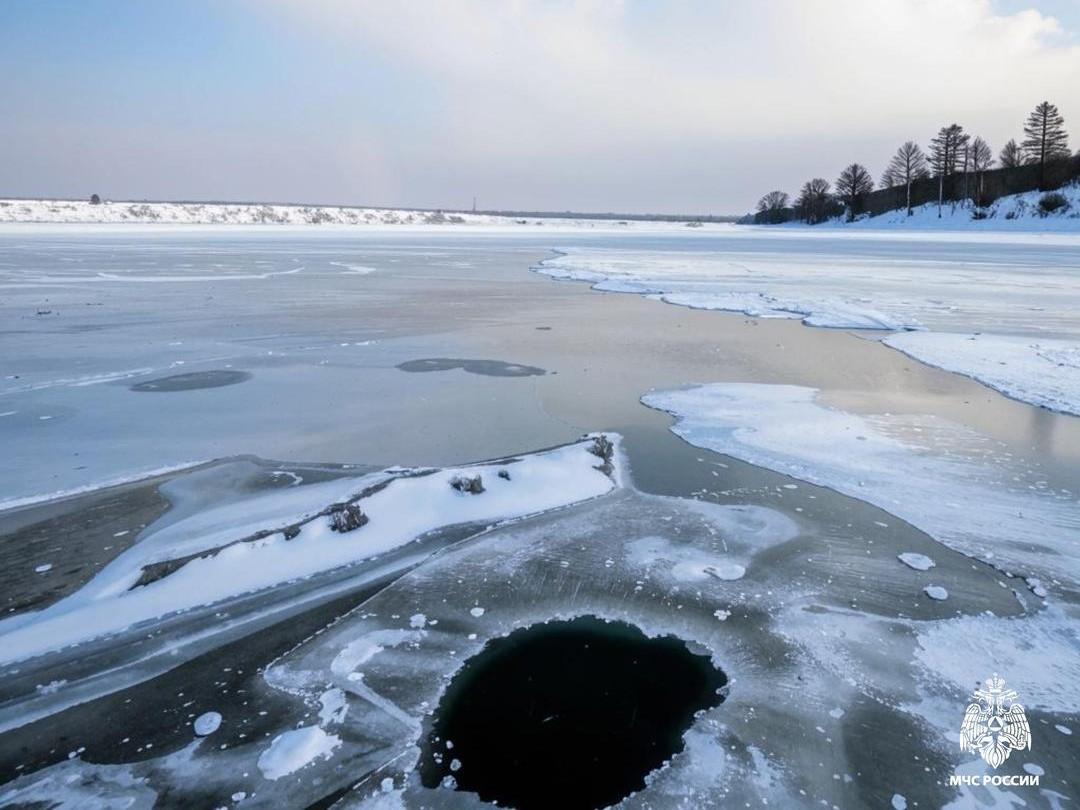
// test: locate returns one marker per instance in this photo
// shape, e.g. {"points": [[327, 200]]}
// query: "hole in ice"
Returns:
{"points": [[487, 368], [193, 380], [570, 714]]}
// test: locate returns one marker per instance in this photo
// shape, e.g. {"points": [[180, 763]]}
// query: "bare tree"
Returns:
{"points": [[1046, 139], [982, 158], [813, 200], [908, 165], [1011, 155], [853, 181], [945, 154], [771, 206]]}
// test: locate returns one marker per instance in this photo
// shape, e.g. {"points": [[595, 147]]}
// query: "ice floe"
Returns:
{"points": [[933, 478], [1043, 372]]}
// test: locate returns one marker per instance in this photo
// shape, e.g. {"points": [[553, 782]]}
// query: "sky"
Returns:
{"points": [[687, 106]]}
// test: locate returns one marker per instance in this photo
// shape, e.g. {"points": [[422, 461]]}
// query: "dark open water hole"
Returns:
{"points": [[487, 368], [569, 714], [193, 380]]}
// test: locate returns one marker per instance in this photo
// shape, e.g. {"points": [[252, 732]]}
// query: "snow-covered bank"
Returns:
{"points": [[1015, 212], [60, 212], [81, 211], [955, 485], [392, 509], [1042, 372]]}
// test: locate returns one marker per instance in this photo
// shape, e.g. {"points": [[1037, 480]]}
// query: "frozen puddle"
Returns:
{"points": [[581, 708], [193, 381], [486, 368]]}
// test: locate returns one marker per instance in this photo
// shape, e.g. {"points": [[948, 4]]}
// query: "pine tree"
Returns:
{"points": [[1046, 139], [907, 166], [946, 149], [853, 181], [1011, 155]]}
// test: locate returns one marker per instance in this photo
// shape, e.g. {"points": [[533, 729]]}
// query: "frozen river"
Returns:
{"points": [[260, 375]]}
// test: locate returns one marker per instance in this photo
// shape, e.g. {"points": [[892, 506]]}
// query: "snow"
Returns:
{"points": [[207, 723], [1037, 655], [936, 592], [919, 562], [957, 486], [291, 751], [408, 507], [1043, 372], [699, 281], [24, 211], [1013, 212], [81, 211], [359, 652], [333, 706]]}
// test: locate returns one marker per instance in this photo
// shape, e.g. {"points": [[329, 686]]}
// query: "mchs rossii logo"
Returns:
{"points": [[994, 726]]}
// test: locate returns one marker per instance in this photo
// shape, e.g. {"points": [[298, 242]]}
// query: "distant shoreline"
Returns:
{"points": [[49, 209]]}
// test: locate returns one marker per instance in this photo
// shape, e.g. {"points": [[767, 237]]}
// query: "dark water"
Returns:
{"points": [[193, 381], [489, 368], [567, 714]]}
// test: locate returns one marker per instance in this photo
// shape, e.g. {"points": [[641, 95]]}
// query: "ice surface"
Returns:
{"points": [[943, 479], [553, 567], [936, 592], [1020, 291], [1040, 371]]}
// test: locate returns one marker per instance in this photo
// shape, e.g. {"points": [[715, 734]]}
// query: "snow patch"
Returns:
{"points": [[918, 562], [291, 751]]}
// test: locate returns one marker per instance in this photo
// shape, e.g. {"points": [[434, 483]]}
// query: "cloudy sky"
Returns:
{"points": [[593, 105]]}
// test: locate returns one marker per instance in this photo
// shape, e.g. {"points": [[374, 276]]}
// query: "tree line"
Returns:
{"points": [[952, 152]]}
